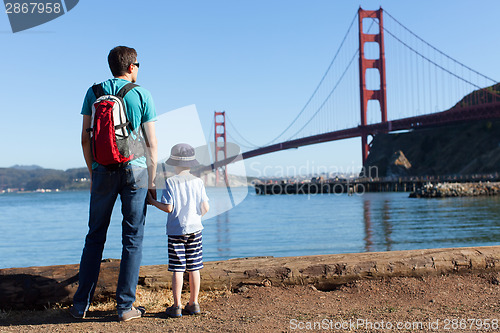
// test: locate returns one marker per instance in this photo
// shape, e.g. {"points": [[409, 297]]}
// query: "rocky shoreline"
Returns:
{"points": [[444, 190]]}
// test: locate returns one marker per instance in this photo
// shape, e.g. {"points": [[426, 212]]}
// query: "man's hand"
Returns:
{"points": [[87, 152]]}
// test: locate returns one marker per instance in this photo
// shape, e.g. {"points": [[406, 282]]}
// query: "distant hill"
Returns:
{"points": [[26, 167], [481, 96], [31, 178]]}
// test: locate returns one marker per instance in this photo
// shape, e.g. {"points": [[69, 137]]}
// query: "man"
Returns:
{"points": [[131, 181]]}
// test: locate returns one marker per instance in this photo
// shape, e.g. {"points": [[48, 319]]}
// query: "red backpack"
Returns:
{"points": [[109, 131]]}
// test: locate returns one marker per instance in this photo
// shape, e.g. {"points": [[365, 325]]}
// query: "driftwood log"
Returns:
{"points": [[35, 287]]}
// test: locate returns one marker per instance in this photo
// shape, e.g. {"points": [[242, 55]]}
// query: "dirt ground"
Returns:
{"points": [[451, 303]]}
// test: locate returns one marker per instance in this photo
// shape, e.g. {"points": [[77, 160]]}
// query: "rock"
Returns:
{"points": [[442, 190], [242, 289], [267, 283], [398, 165]]}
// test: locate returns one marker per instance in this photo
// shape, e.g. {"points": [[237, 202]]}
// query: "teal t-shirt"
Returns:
{"points": [[139, 104]]}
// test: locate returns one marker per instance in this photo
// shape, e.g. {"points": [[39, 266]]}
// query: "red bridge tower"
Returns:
{"points": [[364, 64], [220, 146]]}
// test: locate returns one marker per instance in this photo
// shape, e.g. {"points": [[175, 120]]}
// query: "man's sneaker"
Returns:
{"points": [[76, 314], [132, 314], [192, 309], [174, 311]]}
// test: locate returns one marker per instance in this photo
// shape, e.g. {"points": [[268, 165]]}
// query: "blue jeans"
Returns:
{"points": [[131, 184]]}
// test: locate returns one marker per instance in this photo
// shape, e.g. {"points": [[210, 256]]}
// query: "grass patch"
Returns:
{"points": [[153, 301]]}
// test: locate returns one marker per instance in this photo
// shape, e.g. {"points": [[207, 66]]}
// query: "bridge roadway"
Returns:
{"points": [[452, 116]]}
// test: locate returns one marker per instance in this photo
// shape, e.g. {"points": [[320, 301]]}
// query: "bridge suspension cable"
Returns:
{"points": [[317, 87], [252, 145], [233, 140], [433, 47], [328, 97], [330, 94], [436, 64], [321, 85], [422, 78]]}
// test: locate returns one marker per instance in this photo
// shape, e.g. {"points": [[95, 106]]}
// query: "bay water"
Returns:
{"points": [[39, 229]]}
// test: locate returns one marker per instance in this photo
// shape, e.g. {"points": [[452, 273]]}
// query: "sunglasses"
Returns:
{"points": [[136, 63]]}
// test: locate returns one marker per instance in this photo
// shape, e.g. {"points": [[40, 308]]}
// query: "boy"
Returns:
{"points": [[185, 201]]}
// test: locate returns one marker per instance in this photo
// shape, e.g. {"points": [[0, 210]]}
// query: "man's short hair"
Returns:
{"points": [[120, 58]]}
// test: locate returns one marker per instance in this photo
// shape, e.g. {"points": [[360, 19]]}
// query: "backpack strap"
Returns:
{"points": [[125, 89], [98, 91], [121, 94]]}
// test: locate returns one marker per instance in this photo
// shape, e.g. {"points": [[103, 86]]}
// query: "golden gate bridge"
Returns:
{"points": [[418, 86]]}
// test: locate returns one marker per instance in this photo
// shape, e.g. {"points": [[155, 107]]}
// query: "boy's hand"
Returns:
{"points": [[152, 190], [150, 198]]}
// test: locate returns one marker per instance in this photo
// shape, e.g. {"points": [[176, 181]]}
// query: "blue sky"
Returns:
{"points": [[257, 60]]}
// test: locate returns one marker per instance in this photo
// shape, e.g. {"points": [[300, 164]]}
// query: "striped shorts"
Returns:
{"points": [[185, 253]]}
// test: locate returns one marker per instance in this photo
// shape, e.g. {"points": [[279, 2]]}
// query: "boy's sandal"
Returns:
{"points": [[173, 311]]}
